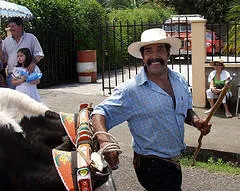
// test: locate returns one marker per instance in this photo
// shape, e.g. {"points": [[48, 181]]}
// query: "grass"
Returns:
{"points": [[217, 166]]}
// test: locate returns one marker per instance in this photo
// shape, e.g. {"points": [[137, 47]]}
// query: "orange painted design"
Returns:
{"points": [[68, 122], [62, 161]]}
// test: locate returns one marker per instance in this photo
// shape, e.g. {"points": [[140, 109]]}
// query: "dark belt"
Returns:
{"points": [[175, 160]]}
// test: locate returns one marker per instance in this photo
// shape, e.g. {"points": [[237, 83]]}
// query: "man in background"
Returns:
{"points": [[11, 44]]}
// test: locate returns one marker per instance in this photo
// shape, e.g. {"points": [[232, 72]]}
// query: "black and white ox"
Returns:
{"points": [[28, 132]]}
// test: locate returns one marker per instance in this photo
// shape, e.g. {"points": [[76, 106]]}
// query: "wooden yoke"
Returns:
{"points": [[213, 110], [83, 145]]}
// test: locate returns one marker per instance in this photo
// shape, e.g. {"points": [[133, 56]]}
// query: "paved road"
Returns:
{"points": [[224, 136]]}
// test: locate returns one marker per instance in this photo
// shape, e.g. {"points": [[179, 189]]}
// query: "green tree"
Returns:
{"points": [[213, 11], [83, 17], [127, 25], [234, 32], [117, 4], [234, 12]]}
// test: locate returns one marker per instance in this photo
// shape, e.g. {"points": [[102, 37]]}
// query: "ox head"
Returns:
{"points": [[14, 106], [17, 105]]}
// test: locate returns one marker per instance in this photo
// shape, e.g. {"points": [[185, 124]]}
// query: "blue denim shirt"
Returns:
{"points": [[156, 126]]}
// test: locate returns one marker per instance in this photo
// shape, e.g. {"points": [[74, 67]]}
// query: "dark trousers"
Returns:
{"points": [[156, 174]]}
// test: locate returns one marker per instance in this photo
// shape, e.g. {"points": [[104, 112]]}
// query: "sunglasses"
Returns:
{"points": [[217, 64]]}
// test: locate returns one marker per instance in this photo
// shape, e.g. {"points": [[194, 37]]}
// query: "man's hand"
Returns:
{"points": [[112, 157], [201, 125]]}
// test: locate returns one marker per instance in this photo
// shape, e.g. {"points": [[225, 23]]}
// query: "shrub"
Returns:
{"points": [[80, 16], [126, 26]]}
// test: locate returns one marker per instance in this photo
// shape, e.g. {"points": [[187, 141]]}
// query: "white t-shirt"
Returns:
{"points": [[26, 87], [223, 76], [10, 48]]}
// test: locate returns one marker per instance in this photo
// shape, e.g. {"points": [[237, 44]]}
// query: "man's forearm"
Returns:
{"points": [[36, 59], [99, 124], [2, 56], [191, 118]]}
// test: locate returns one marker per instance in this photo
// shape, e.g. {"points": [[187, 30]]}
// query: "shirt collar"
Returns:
{"points": [[141, 78], [23, 35]]}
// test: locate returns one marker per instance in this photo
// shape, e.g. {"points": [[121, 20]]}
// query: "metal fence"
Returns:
{"points": [[59, 63], [114, 63], [227, 37], [118, 66]]}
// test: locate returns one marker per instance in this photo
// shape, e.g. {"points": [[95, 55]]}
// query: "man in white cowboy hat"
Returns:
{"points": [[155, 103]]}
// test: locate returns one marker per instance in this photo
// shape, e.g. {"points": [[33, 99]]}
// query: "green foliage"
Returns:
{"points": [[234, 35], [90, 15], [213, 11], [212, 165], [117, 4], [234, 32], [127, 26], [80, 16], [234, 12], [144, 15]]}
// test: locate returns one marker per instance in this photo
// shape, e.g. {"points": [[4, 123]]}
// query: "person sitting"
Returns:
{"points": [[217, 79]]}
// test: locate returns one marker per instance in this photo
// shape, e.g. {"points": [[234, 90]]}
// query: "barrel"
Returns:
{"points": [[86, 66]]}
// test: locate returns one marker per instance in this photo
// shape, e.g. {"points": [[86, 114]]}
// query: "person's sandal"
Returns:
{"points": [[208, 111], [228, 115]]}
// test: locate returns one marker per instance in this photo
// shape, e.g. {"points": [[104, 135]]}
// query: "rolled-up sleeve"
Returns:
{"points": [[115, 108]]}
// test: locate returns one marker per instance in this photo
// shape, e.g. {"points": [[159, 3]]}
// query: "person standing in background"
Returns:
{"points": [[11, 44]]}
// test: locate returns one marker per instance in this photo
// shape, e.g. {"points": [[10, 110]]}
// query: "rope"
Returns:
{"points": [[111, 146]]}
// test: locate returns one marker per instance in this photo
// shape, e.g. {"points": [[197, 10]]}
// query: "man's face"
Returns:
{"points": [[15, 29], [155, 58]]}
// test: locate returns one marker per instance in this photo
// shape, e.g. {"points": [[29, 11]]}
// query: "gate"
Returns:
{"points": [[117, 65], [59, 63]]}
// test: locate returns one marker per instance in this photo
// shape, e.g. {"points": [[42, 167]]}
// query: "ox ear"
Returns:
{"points": [[52, 114]]}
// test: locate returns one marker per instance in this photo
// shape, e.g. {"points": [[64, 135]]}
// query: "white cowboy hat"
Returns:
{"points": [[153, 36]]}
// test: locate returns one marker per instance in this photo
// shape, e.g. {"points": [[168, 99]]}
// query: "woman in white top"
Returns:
{"points": [[25, 82], [217, 79]]}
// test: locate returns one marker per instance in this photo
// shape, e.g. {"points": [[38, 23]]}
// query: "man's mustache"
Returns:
{"points": [[150, 61]]}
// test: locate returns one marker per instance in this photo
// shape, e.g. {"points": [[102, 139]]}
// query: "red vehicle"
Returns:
{"points": [[214, 44], [180, 26]]}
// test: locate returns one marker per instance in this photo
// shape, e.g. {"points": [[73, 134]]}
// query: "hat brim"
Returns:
{"points": [[220, 62], [134, 48]]}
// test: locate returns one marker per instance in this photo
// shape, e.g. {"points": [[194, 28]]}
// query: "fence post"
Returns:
{"points": [[198, 62]]}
